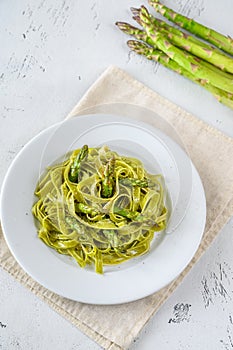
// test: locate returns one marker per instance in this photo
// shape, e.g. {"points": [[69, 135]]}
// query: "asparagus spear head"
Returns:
{"points": [[108, 179], [74, 169]]}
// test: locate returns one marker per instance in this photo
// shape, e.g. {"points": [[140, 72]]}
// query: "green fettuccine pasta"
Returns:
{"points": [[99, 207]]}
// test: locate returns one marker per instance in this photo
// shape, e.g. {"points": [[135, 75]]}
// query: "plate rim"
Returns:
{"points": [[48, 131]]}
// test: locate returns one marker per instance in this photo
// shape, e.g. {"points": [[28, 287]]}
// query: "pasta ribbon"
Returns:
{"points": [[99, 207]]}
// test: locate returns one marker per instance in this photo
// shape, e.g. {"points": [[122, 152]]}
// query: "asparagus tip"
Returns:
{"points": [[136, 46], [143, 8], [135, 11], [137, 19], [127, 28], [120, 24], [144, 15], [144, 11]]}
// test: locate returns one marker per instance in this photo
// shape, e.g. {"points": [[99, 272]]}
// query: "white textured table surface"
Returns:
{"points": [[51, 52]]}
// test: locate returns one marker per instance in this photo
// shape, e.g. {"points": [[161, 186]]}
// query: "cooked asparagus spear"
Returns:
{"points": [[135, 182], [158, 56], [80, 207], [75, 166], [108, 179], [186, 60], [125, 212], [219, 40], [188, 43], [131, 215], [83, 208], [73, 223]]}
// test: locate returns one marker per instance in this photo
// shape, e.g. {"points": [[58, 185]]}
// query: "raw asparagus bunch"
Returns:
{"points": [[185, 54], [185, 41], [142, 35], [183, 58], [158, 56], [219, 40]]}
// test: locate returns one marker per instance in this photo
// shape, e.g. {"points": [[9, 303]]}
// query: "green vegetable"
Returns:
{"points": [[187, 42], [152, 53], [75, 166], [73, 223], [142, 35], [187, 55], [85, 209], [108, 179], [75, 219], [219, 40], [158, 56], [135, 32], [186, 60], [133, 215], [135, 182]]}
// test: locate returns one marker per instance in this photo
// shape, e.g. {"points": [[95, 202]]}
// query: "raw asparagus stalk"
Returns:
{"points": [[161, 24], [158, 56], [135, 32], [219, 40], [142, 35], [188, 43], [188, 61]]}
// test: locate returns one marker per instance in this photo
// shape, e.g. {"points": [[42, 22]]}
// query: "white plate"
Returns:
{"points": [[170, 252]]}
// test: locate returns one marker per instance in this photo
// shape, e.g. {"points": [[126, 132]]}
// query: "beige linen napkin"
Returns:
{"points": [[114, 327]]}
